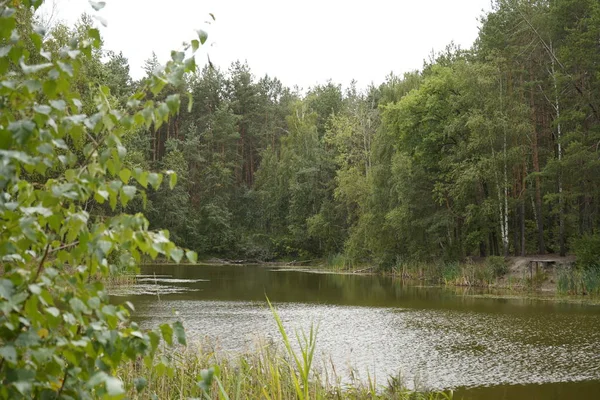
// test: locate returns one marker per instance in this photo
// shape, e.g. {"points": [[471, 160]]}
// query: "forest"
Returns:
{"points": [[493, 150]]}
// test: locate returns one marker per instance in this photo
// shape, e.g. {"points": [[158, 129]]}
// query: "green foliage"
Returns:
{"points": [[61, 159], [497, 265], [269, 371], [484, 152], [587, 250], [576, 281]]}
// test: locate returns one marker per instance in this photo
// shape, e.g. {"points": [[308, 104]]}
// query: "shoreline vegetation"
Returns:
{"points": [[262, 373], [547, 274], [270, 371]]}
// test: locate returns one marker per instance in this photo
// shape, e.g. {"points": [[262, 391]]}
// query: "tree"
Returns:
{"points": [[59, 335]]}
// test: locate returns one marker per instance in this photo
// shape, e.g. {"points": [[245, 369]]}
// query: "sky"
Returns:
{"points": [[302, 43]]}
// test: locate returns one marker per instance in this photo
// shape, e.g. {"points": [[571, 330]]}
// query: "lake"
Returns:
{"points": [[481, 346]]}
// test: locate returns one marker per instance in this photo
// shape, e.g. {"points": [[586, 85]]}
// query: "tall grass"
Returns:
{"points": [[270, 372], [339, 262], [454, 273], [578, 281]]}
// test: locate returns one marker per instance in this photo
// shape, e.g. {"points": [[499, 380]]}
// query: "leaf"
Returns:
{"points": [[9, 353], [180, 333], [97, 5], [32, 69], [206, 376], [202, 35], [167, 333], [191, 256], [114, 386], [42, 109], [33, 85], [22, 130], [125, 174], [4, 50], [190, 102], [155, 180], [77, 305], [37, 210], [195, 45], [6, 289], [102, 20], [53, 311], [35, 289], [129, 191], [177, 254], [172, 179], [173, 103], [140, 383], [58, 104]]}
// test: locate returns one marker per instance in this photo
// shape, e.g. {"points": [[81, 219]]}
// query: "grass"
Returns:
{"points": [[115, 280], [578, 281], [270, 372], [450, 273]]}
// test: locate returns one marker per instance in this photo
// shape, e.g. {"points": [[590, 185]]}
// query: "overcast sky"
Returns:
{"points": [[301, 42]]}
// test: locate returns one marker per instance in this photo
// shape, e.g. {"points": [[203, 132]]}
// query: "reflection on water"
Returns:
{"points": [[496, 348]]}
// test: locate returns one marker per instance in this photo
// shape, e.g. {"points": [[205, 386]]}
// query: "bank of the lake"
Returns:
{"points": [[534, 275]]}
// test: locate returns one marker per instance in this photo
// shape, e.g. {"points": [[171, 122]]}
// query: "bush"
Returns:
{"points": [[587, 251], [497, 266], [59, 335]]}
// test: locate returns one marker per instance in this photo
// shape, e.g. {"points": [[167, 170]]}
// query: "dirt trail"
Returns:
{"points": [[539, 267]]}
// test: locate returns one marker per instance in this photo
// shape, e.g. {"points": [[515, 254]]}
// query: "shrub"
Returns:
{"points": [[497, 266], [59, 335], [587, 251]]}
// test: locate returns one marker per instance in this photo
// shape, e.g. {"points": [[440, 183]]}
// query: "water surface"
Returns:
{"points": [[484, 348]]}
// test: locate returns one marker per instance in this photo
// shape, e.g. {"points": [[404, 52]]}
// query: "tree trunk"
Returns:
{"points": [[536, 168], [561, 201]]}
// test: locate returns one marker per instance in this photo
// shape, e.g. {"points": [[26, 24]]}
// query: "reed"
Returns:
{"points": [[273, 371]]}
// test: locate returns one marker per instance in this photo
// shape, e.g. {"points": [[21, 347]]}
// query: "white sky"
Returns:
{"points": [[302, 42]]}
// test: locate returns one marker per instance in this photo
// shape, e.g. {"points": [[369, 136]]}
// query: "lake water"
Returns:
{"points": [[482, 347]]}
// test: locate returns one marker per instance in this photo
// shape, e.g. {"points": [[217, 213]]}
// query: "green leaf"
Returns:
{"points": [[58, 104], [129, 191], [190, 102], [22, 130], [167, 333], [172, 179], [180, 333], [202, 35], [6, 288], [24, 387], [206, 376], [177, 254], [140, 383], [9, 353], [125, 174], [195, 45], [55, 312], [78, 306], [32, 69], [4, 50], [173, 103], [42, 109], [191, 256], [155, 180]]}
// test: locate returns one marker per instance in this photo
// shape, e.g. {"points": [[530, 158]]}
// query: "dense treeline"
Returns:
{"points": [[488, 151]]}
